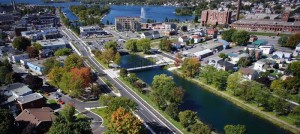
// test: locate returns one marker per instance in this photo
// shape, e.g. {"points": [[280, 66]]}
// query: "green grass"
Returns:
{"points": [[51, 101], [80, 116], [149, 101], [101, 112], [267, 34], [102, 63]]}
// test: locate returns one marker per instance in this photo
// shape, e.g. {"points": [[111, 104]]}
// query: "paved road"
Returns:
{"points": [[155, 122]]}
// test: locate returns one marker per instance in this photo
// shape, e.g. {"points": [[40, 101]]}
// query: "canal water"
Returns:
{"points": [[212, 109]]}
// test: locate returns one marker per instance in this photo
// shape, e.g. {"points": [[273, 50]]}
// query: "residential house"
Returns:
{"points": [[34, 100], [177, 45], [183, 39], [15, 56], [212, 33], [282, 55], [12, 91], [53, 44], [235, 57], [267, 49], [297, 51], [146, 35], [169, 26], [249, 74], [36, 66], [204, 53], [197, 39], [220, 64], [260, 66], [41, 118], [258, 43]]}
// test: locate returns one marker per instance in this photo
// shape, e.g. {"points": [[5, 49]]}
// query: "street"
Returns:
{"points": [[152, 118]]}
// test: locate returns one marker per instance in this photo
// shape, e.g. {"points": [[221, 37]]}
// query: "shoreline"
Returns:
{"points": [[248, 107]]}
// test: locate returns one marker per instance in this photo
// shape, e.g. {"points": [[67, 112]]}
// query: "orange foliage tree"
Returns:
{"points": [[124, 122], [83, 73]]}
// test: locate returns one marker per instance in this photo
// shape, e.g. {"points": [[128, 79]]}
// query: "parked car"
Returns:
{"points": [[60, 102]]}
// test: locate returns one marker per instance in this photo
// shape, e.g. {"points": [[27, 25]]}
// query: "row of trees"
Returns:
{"points": [[109, 54], [141, 45], [289, 41], [211, 75], [118, 115], [240, 37]]}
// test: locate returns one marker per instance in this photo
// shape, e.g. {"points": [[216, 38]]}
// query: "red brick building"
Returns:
{"points": [[215, 17], [35, 100], [267, 25]]}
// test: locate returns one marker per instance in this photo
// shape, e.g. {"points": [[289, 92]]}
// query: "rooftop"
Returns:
{"points": [[29, 98], [247, 71], [266, 22], [52, 42], [36, 115]]}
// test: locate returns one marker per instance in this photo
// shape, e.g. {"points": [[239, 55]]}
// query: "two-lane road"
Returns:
{"points": [[153, 120]]}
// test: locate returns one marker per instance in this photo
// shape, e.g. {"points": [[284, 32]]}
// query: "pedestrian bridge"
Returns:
{"points": [[147, 67]]}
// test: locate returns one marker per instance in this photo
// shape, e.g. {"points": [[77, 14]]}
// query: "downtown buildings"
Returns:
{"points": [[128, 23]]}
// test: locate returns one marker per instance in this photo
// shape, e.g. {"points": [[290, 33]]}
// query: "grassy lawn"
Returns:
{"points": [[101, 112], [51, 101], [250, 107], [149, 101], [266, 34]]}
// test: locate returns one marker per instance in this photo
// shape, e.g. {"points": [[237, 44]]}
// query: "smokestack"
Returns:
{"points": [[238, 10]]}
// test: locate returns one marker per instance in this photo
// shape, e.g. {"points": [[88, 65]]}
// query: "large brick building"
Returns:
{"points": [[215, 17], [268, 25]]}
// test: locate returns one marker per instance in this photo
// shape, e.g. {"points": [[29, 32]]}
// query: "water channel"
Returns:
{"points": [[212, 109]]}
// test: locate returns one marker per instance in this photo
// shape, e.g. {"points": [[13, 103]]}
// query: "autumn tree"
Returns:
{"points": [[190, 67], [111, 45], [108, 55], [21, 43], [83, 73], [73, 61], [117, 59], [123, 121], [178, 60], [49, 64], [32, 52]]}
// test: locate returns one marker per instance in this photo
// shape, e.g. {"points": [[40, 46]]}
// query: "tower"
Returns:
{"points": [[13, 4], [238, 10]]}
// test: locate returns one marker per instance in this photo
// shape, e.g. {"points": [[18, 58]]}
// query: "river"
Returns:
{"points": [[212, 109]]}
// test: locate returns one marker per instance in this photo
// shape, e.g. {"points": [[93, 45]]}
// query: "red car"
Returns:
{"points": [[60, 102]]}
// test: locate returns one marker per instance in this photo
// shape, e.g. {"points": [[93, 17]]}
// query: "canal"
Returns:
{"points": [[212, 109]]}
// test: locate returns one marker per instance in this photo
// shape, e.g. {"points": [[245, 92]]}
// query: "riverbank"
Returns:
{"points": [[247, 106]]}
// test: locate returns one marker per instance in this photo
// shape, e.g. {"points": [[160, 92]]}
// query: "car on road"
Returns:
{"points": [[61, 102]]}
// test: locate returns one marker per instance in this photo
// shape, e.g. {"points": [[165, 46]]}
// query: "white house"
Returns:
{"points": [[183, 39], [17, 58], [282, 55], [260, 66], [155, 35], [297, 50], [267, 49], [197, 38], [146, 35]]}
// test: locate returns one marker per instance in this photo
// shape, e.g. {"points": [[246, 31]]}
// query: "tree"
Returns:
{"points": [[220, 79], [33, 82], [176, 95], [83, 73], [280, 106], [68, 113], [187, 118], [63, 52], [227, 35], [131, 45], [262, 99], [178, 60], [117, 102], [196, 19], [21, 43], [123, 72], [49, 64], [240, 37], [199, 128], [294, 68], [55, 76], [108, 55], [190, 67], [233, 82], [37, 46], [32, 52], [6, 122], [207, 73], [244, 62], [117, 58], [144, 45], [73, 61], [111, 45], [235, 129], [282, 40], [172, 110], [293, 41], [123, 121]]}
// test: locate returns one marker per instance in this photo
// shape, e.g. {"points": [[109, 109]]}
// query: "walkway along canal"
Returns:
{"points": [[212, 109]]}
